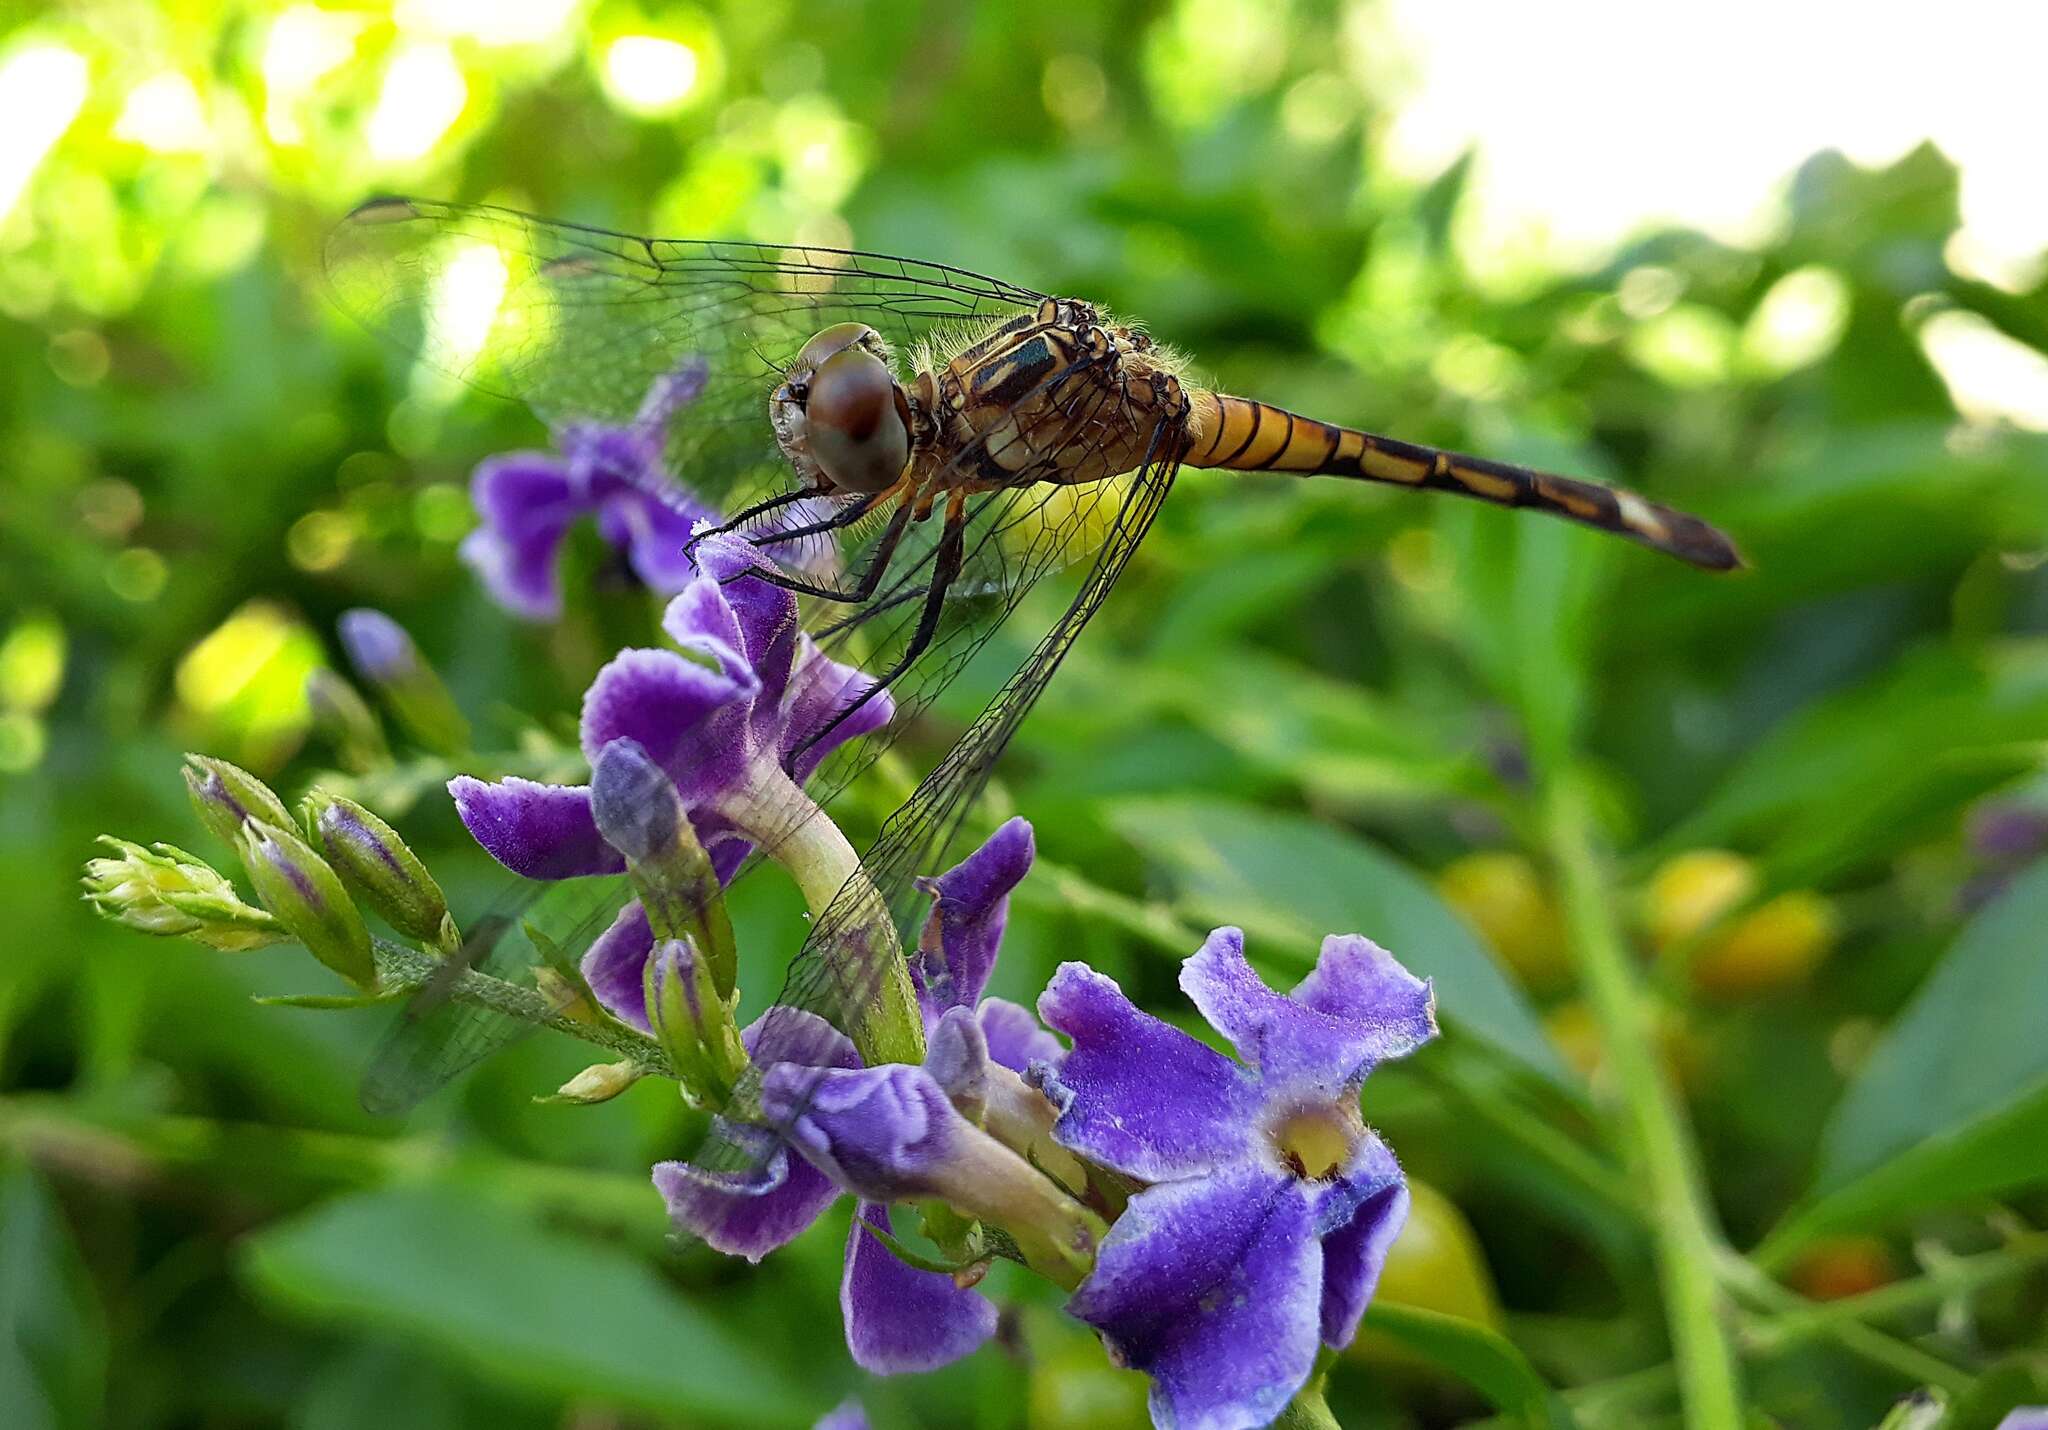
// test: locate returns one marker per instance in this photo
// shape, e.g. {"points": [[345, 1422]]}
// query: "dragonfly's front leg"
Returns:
{"points": [[870, 576], [946, 563]]}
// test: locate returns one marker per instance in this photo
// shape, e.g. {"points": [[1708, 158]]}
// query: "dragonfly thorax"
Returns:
{"points": [[840, 416]]}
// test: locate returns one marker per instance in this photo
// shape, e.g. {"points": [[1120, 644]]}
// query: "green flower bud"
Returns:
{"points": [[345, 718], [385, 656], [639, 814], [693, 1023], [226, 795], [378, 867], [307, 896], [167, 892]]}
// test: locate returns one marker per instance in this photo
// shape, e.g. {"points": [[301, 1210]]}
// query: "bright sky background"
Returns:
{"points": [[1593, 116]]}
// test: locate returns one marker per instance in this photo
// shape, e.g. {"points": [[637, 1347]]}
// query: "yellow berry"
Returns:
{"points": [[1691, 890], [1503, 896], [1842, 1266], [1780, 943]]}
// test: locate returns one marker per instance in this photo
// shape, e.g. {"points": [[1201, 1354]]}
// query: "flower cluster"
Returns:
{"points": [[1218, 1221]]}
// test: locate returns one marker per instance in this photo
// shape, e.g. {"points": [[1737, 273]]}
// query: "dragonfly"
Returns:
{"points": [[951, 438]]}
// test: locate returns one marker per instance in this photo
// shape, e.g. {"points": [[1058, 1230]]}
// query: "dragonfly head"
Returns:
{"points": [[840, 415]]}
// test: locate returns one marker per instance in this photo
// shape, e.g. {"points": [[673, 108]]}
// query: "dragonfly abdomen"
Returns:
{"points": [[1242, 435]]}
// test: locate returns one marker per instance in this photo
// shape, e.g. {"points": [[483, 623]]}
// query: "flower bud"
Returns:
{"points": [[600, 1082], [385, 656], [694, 1023], [640, 814], [342, 715], [308, 898], [378, 867], [167, 892], [226, 795]]}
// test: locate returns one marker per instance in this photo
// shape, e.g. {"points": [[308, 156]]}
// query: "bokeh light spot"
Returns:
{"points": [[423, 95], [649, 74], [164, 115], [1990, 377], [1797, 322], [441, 512], [245, 681], [21, 742], [320, 540], [32, 663], [137, 574], [42, 87]]}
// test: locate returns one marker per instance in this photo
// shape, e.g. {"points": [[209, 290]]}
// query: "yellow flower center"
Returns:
{"points": [[1315, 1142]]}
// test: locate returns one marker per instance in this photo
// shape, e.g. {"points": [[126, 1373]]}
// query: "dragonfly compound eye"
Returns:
{"points": [[857, 421]]}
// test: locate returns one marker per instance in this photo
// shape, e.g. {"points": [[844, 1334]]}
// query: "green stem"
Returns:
{"points": [[1908, 1362], [400, 969], [1960, 1277], [849, 915], [1687, 1243]]}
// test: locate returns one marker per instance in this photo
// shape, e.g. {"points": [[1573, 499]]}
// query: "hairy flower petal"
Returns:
{"points": [[1211, 1287], [1135, 1093]]}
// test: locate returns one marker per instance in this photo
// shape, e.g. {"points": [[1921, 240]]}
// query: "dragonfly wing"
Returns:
{"points": [[435, 1039], [581, 323], [839, 969]]}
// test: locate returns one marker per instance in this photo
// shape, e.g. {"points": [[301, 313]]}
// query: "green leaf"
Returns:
{"points": [[1855, 776], [1954, 1102], [53, 1335], [1289, 881], [1482, 1358], [1531, 589], [523, 1304]]}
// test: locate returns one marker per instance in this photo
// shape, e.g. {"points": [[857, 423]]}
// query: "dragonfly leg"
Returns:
{"points": [[758, 509], [870, 576], [946, 563], [846, 516]]}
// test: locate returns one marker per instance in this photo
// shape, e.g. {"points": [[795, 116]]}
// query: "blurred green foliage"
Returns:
{"points": [[1305, 701]]}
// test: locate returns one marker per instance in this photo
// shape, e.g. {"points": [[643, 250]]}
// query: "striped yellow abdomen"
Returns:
{"points": [[1241, 435]]}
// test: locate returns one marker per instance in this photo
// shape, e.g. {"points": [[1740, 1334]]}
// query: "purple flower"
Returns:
{"points": [[529, 500], [721, 719], [883, 1132], [1271, 1205]]}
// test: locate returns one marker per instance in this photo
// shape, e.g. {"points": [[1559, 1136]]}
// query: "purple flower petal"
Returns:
{"points": [[766, 613], [675, 709], [658, 528], [1138, 1094], [970, 905], [899, 1318], [1355, 978], [540, 831], [671, 391], [750, 1214], [1212, 1288], [823, 688], [615, 966], [882, 1133], [520, 493], [1358, 1216], [1014, 1038], [702, 622], [1357, 1007], [846, 1415]]}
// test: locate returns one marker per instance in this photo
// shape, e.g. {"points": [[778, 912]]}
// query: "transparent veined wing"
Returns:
{"points": [[580, 323]]}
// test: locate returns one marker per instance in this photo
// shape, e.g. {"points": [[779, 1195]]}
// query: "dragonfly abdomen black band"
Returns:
{"points": [[1242, 435]]}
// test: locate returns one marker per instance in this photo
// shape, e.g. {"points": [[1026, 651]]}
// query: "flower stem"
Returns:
{"points": [[400, 968], [876, 1005], [1687, 1244]]}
